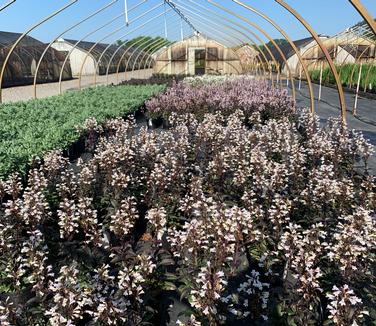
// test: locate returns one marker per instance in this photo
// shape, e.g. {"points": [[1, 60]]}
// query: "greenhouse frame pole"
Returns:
{"points": [[364, 13], [7, 5], [268, 36], [120, 46], [148, 42], [289, 40], [107, 36], [250, 39], [78, 42], [219, 19], [122, 57], [141, 42], [155, 45], [216, 31], [18, 41], [60, 35], [326, 53]]}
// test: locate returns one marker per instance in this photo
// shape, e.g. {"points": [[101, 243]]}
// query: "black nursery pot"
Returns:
{"points": [[155, 123]]}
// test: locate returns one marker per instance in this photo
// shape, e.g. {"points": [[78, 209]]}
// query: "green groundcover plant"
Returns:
{"points": [[28, 129]]}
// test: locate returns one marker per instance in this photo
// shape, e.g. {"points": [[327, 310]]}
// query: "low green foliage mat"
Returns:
{"points": [[28, 129]]}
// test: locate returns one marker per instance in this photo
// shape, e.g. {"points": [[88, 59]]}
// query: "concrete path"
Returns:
{"points": [[23, 93]]}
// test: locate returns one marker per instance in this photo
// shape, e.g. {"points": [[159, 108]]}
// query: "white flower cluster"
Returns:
{"points": [[345, 307], [238, 216]]}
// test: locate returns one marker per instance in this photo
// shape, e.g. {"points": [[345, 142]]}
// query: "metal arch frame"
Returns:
{"points": [[120, 46], [314, 46], [162, 42], [151, 57], [326, 53], [338, 44], [60, 35], [344, 61], [18, 56], [216, 31], [7, 5], [364, 13], [138, 51], [140, 41], [186, 70], [157, 48], [26, 51], [227, 27], [151, 60], [148, 55], [261, 31], [55, 13], [247, 37], [78, 42], [288, 39], [154, 46], [228, 40], [357, 59], [107, 36], [267, 36]]}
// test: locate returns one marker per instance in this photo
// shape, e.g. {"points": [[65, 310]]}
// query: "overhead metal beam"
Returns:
{"points": [[168, 2], [7, 5], [365, 14], [309, 28]]}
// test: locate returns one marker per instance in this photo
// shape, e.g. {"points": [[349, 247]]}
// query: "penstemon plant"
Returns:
{"points": [[243, 94], [246, 217]]}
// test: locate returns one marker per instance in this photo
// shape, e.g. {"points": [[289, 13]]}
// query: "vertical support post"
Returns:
{"points": [[320, 87], [181, 30], [126, 12], [165, 21], [278, 75], [332, 67], [300, 77], [357, 89]]}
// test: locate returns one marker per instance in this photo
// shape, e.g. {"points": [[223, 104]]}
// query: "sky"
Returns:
{"points": [[146, 17]]}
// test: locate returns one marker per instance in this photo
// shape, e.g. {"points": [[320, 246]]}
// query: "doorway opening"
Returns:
{"points": [[200, 58]]}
